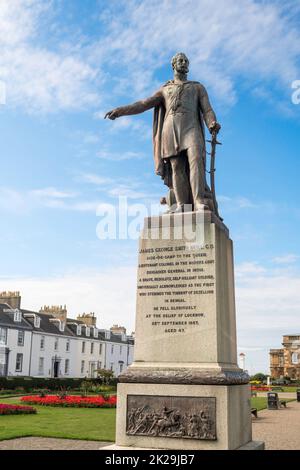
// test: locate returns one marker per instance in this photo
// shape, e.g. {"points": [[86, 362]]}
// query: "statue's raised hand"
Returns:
{"points": [[214, 127], [112, 114]]}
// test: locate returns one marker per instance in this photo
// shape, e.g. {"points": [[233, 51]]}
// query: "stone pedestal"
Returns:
{"points": [[184, 389]]}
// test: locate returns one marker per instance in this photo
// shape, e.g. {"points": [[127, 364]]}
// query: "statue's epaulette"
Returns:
{"points": [[169, 82]]}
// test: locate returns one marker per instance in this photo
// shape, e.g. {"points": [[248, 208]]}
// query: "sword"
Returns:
{"points": [[214, 142]]}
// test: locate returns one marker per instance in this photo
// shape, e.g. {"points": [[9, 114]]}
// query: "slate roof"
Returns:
{"points": [[7, 319], [47, 326]]}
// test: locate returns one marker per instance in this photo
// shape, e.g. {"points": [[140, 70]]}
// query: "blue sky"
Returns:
{"points": [[65, 63]]}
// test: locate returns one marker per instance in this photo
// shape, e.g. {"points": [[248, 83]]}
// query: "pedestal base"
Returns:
{"points": [[183, 417], [252, 445]]}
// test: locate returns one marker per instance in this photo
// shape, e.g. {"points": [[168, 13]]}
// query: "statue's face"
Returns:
{"points": [[181, 64]]}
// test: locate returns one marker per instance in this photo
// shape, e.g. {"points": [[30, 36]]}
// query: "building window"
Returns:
{"points": [[100, 349], [41, 365], [295, 359], [280, 361], [120, 350], [3, 336], [82, 367], [67, 366], [83, 347], [92, 348], [42, 344], [99, 365], [87, 331], [121, 367], [68, 345], [56, 344], [111, 366], [17, 316], [112, 348], [37, 322], [79, 330], [20, 338], [19, 362]]}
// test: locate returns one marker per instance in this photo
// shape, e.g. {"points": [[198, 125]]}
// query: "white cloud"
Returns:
{"points": [[22, 202], [11, 200], [247, 348], [268, 300], [96, 179], [127, 191], [52, 193], [109, 293], [36, 77], [244, 40], [249, 268], [247, 40], [286, 259], [236, 203], [116, 157], [127, 123], [90, 138]]}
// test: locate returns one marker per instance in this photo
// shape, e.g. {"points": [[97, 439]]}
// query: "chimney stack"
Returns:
{"points": [[13, 299], [57, 311], [88, 318]]}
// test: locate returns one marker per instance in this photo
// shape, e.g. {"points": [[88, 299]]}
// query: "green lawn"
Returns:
{"points": [[69, 423], [290, 389], [261, 402]]}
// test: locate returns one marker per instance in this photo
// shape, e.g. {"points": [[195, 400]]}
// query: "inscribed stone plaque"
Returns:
{"points": [[178, 417]]}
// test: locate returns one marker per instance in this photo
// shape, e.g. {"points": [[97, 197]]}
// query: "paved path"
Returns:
{"points": [[279, 429], [47, 443], [282, 395]]}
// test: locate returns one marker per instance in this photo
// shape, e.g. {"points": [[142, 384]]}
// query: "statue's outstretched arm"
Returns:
{"points": [[208, 113], [136, 108]]}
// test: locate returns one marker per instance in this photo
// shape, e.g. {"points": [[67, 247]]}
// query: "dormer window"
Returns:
{"points": [[60, 324], [17, 316], [37, 322], [95, 332], [107, 334], [79, 330], [87, 331]]}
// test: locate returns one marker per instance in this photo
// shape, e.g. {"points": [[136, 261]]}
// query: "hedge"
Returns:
{"points": [[30, 383]]}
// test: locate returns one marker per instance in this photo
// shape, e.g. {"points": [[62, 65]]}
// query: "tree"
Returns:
{"points": [[105, 375], [259, 377]]}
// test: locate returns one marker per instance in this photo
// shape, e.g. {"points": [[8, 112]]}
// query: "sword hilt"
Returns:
{"points": [[214, 142]]}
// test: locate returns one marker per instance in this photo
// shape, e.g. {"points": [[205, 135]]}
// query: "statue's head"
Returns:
{"points": [[180, 63]]}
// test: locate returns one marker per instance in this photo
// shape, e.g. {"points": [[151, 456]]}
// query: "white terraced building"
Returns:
{"points": [[49, 344]]}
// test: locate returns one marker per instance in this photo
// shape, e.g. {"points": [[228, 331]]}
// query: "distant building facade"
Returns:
{"points": [[285, 362], [49, 344]]}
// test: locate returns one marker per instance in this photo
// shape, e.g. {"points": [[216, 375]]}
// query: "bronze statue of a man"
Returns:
{"points": [[181, 106]]}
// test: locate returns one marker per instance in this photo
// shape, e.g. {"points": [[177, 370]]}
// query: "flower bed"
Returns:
{"points": [[261, 388], [72, 400], [16, 409]]}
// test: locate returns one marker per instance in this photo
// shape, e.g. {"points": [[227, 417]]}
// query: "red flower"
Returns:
{"points": [[72, 401], [15, 409]]}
